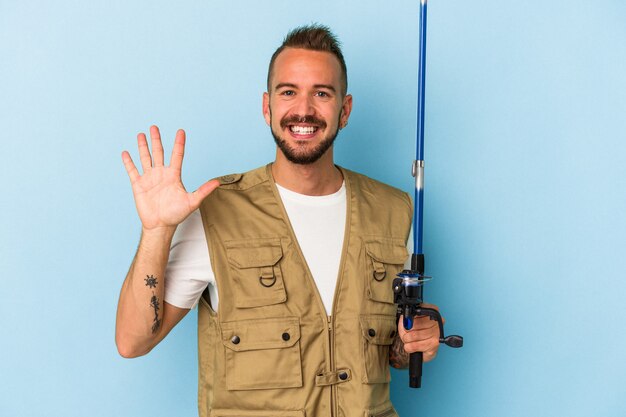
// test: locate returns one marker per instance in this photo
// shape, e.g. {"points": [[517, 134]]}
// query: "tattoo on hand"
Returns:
{"points": [[398, 358], [152, 282]]}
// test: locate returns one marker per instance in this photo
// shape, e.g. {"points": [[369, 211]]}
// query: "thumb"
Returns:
{"points": [[401, 330], [202, 192]]}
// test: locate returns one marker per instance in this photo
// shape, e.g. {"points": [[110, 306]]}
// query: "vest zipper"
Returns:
{"points": [[314, 288], [344, 253], [333, 388], [334, 411]]}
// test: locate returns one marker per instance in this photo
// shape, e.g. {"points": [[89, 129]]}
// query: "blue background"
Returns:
{"points": [[525, 186]]}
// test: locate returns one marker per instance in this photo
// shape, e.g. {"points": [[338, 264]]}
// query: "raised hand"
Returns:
{"points": [[161, 199]]}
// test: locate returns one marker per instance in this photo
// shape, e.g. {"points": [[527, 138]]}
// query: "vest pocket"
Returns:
{"points": [[256, 274], [262, 353], [256, 413], [377, 333], [385, 258]]}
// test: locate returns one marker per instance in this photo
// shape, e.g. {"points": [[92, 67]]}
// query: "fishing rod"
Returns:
{"points": [[408, 286]]}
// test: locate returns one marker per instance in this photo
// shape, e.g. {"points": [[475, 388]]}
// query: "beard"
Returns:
{"points": [[299, 154]]}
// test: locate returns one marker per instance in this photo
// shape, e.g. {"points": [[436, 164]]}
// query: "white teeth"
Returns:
{"points": [[303, 130]]}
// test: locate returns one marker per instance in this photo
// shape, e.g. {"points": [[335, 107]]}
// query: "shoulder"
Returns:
{"points": [[369, 187], [236, 188], [243, 181]]}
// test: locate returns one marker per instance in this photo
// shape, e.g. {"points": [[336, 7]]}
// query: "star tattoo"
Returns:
{"points": [[151, 281]]}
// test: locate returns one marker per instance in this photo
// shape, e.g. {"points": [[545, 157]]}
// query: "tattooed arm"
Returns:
{"points": [[398, 358], [143, 319], [162, 202]]}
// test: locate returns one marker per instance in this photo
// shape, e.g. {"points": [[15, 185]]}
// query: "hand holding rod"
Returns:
{"points": [[408, 290]]}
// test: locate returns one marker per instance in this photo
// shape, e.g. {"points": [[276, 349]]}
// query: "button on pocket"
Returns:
{"points": [[255, 270], [385, 258], [376, 331], [262, 357]]}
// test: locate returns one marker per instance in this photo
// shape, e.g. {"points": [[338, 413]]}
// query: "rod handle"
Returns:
{"points": [[415, 369]]}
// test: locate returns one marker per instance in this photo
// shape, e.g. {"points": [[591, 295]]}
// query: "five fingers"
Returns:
{"points": [[156, 160]]}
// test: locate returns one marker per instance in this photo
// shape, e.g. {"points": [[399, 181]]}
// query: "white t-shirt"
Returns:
{"points": [[317, 221]]}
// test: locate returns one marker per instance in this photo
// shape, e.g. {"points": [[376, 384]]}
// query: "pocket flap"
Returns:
{"points": [[388, 252], [379, 330], [254, 253], [273, 333]]}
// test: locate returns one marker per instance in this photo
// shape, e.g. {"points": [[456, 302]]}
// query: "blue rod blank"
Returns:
{"points": [[418, 222]]}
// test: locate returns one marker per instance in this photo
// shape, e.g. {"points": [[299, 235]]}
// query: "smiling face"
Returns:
{"points": [[305, 107]]}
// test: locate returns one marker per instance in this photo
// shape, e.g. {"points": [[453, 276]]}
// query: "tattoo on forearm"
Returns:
{"points": [[154, 303], [151, 282], [398, 358]]}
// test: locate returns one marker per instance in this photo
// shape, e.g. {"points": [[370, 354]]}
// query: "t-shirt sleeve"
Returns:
{"points": [[188, 270]]}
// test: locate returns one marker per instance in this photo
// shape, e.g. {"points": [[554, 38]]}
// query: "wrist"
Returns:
{"points": [[163, 233]]}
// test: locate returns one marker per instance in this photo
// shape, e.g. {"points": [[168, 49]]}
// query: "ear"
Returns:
{"points": [[266, 108], [346, 108]]}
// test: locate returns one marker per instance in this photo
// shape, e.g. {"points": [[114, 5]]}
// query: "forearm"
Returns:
{"points": [[398, 358], [140, 309]]}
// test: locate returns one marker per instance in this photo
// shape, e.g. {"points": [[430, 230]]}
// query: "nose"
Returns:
{"points": [[304, 105]]}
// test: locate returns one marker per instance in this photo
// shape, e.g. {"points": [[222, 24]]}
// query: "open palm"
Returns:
{"points": [[160, 197]]}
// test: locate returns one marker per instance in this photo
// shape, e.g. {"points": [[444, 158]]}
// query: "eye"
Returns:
{"points": [[322, 94], [288, 93]]}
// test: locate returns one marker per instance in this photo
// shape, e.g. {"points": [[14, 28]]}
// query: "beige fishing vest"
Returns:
{"points": [[272, 350]]}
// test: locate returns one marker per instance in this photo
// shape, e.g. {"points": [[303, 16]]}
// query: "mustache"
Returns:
{"points": [[293, 119]]}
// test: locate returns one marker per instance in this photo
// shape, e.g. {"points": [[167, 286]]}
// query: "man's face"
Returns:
{"points": [[305, 106]]}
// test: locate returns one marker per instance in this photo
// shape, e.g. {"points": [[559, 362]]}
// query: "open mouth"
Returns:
{"points": [[303, 127], [303, 130]]}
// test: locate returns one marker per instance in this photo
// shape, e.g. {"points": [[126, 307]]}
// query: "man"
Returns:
{"points": [[297, 317]]}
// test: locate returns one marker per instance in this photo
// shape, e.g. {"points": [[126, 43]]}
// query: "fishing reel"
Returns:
{"points": [[408, 295]]}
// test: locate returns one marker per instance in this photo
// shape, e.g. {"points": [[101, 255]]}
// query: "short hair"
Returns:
{"points": [[314, 37]]}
